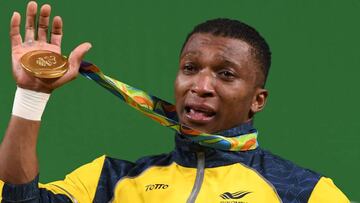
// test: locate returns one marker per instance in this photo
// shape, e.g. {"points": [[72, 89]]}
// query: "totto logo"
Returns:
{"points": [[156, 187]]}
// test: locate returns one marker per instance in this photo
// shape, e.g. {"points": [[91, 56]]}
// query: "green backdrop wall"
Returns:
{"points": [[311, 117]]}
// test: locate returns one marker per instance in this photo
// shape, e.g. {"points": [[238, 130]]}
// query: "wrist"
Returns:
{"points": [[29, 104]]}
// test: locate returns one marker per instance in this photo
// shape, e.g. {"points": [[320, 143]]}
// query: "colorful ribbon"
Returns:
{"points": [[165, 113]]}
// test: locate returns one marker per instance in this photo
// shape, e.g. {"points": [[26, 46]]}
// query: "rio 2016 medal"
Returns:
{"points": [[44, 64]]}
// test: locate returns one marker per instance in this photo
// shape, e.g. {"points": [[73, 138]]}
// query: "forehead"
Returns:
{"points": [[219, 47]]}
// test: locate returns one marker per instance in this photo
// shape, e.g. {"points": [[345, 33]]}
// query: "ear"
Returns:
{"points": [[259, 100]]}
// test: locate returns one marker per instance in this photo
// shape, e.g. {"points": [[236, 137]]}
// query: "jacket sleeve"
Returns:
{"points": [[78, 186], [1, 188], [325, 191]]}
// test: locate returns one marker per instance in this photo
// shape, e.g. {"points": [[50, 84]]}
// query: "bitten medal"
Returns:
{"points": [[44, 64]]}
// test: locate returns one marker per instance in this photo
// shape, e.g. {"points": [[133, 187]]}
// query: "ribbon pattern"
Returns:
{"points": [[165, 113]]}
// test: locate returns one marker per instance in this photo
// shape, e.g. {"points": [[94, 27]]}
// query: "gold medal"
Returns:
{"points": [[44, 64]]}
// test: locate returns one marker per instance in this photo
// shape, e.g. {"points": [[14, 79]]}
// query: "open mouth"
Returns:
{"points": [[199, 113]]}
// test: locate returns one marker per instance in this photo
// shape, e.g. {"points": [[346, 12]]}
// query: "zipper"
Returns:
{"points": [[199, 177]]}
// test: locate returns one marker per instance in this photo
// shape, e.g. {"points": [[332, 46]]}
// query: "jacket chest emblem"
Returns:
{"points": [[234, 197]]}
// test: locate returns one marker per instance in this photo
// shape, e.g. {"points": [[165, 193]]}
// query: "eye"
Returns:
{"points": [[189, 68], [227, 75]]}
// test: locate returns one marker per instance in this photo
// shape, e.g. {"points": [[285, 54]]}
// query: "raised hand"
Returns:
{"points": [[40, 42]]}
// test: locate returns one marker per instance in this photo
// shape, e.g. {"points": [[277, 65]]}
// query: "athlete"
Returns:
{"points": [[219, 88]]}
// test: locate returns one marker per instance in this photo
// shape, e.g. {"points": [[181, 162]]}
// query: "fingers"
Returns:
{"points": [[30, 21], [77, 55], [75, 59], [56, 33], [15, 36], [43, 23]]}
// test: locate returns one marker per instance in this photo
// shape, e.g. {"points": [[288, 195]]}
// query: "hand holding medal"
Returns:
{"points": [[37, 61]]}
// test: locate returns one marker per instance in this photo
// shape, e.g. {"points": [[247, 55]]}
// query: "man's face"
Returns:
{"points": [[215, 88]]}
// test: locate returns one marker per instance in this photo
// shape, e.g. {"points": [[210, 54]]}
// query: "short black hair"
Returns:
{"points": [[236, 29]]}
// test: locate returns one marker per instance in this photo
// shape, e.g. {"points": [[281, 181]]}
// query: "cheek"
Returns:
{"points": [[236, 100], [177, 88], [181, 86], [180, 89]]}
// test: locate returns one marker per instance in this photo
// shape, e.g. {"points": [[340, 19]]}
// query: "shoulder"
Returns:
{"points": [[290, 180], [268, 163], [326, 191], [295, 183]]}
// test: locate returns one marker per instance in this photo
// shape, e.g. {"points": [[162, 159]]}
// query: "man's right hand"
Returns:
{"points": [[40, 42], [18, 158]]}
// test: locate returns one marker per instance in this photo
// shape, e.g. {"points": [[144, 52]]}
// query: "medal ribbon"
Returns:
{"points": [[165, 113]]}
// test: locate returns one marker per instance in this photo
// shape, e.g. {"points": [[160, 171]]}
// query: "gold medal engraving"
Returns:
{"points": [[44, 64], [46, 61]]}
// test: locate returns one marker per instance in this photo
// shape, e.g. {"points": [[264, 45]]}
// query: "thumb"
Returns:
{"points": [[77, 55], [74, 64]]}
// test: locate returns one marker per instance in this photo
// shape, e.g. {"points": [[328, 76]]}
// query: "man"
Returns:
{"points": [[218, 89]]}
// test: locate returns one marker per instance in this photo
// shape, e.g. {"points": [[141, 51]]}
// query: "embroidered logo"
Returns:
{"points": [[156, 187], [234, 195]]}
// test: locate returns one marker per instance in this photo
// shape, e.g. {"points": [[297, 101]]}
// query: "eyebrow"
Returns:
{"points": [[227, 60], [223, 58], [190, 54]]}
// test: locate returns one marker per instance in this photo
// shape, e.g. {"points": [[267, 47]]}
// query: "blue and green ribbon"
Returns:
{"points": [[165, 113]]}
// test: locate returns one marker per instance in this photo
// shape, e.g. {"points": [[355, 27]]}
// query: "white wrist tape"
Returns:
{"points": [[29, 104]]}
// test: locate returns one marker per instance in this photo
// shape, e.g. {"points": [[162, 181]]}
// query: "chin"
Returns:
{"points": [[202, 127]]}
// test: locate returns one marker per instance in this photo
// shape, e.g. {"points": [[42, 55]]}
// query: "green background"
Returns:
{"points": [[311, 116]]}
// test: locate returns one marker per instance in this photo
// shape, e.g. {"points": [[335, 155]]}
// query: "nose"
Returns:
{"points": [[204, 84]]}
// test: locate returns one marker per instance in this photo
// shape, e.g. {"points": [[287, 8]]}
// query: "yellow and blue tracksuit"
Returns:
{"points": [[190, 173]]}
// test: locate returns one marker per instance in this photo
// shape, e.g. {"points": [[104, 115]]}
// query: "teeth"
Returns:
{"points": [[195, 111]]}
